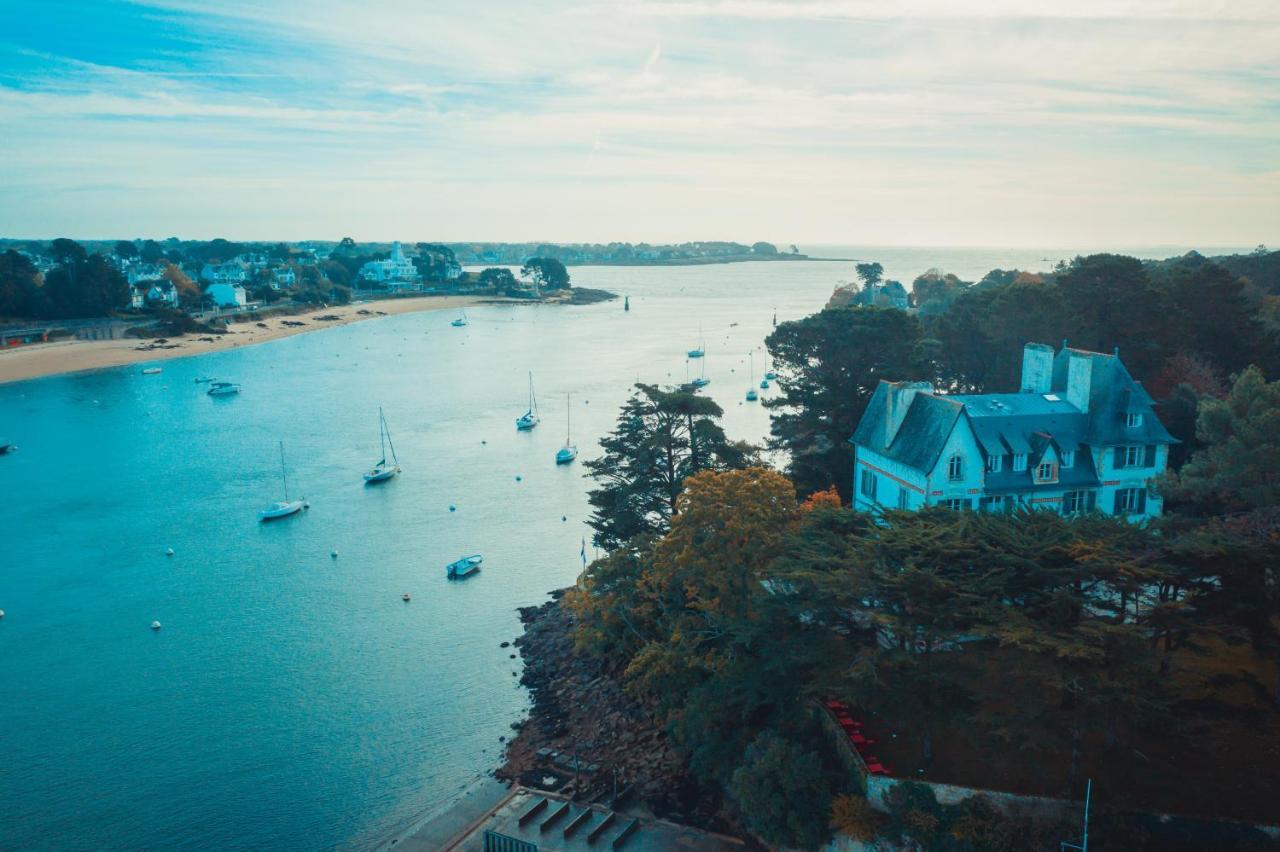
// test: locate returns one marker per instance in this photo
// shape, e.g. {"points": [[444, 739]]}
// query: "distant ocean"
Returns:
{"points": [[293, 700]]}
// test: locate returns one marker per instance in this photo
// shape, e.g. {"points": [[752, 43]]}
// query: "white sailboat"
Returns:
{"points": [[382, 471], [569, 451], [530, 418], [286, 507], [752, 396], [460, 321]]}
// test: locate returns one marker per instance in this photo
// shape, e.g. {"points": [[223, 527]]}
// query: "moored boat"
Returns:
{"points": [[286, 507], [382, 471], [460, 321], [569, 451], [464, 567], [223, 389], [530, 418], [151, 371]]}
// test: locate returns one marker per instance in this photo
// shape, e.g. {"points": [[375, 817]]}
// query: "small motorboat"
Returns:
{"points": [[405, 597], [5, 449], [460, 321], [155, 625], [223, 389], [203, 380], [464, 567], [151, 371]]}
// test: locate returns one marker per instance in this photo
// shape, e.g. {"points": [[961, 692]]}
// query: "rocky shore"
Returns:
{"points": [[584, 731]]}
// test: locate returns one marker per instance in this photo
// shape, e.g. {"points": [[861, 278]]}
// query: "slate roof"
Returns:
{"points": [[923, 433], [1005, 423]]}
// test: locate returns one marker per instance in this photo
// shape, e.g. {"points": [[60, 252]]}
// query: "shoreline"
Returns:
{"points": [[63, 357]]}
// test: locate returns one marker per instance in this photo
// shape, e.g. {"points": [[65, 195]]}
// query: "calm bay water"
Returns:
{"points": [[293, 700]]}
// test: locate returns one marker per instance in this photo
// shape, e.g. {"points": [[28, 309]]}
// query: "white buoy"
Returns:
{"points": [[155, 625], [333, 554], [169, 552]]}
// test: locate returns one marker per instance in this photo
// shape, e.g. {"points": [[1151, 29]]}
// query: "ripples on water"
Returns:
{"points": [[291, 699]]}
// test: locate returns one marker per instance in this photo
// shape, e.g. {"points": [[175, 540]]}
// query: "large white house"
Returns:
{"points": [[227, 295], [231, 272], [395, 273], [1081, 435]]}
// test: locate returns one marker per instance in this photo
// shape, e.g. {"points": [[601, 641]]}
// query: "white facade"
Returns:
{"points": [[224, 273], [395, 273], [227, 295]]}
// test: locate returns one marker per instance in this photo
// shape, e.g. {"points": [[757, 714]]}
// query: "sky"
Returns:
{"points": [[936, 122]]}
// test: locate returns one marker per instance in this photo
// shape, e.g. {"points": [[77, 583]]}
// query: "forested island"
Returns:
{"points": [[1010, 654]]}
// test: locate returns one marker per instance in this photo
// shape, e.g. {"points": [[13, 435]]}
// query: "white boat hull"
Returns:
{"points": [[527, 421], [381, 474], [282, 510], [566, 454]]}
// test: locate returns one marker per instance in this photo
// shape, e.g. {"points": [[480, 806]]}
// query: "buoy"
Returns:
{"points": [[169, 552], [483, 441], [155, 625], [564, 517], [405, 597], [519, 478], [452, 508], [333, 554]]}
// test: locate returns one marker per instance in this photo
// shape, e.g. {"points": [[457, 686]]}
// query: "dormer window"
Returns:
{"points": [[1019, 461], [955, 468], [1046, 472], [1068, 458], [994, 463], [1132, 420]]}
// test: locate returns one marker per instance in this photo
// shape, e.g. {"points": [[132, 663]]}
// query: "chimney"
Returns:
{"points": [[1079, 379], [1037, 368], [897, 402]]}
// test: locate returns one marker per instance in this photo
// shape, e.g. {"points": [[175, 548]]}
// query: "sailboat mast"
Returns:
{"points": [[284, 473], [568, 420], [386, 430]]}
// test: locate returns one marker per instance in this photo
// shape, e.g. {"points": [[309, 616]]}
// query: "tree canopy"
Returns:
{"points": [[547, 272]]}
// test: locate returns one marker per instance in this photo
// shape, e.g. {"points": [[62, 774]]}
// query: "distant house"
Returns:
{"points": [[227, 295], [395, 273], [1081, 435], [283, 276], [141, 273], [231, 272], [887, 294], [153, 292]]}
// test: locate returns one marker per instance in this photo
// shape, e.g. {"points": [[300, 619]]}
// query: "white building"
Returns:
{"points": [[395, 273], [224, 273], [227, 295], [1080, 436], [283, 276]]}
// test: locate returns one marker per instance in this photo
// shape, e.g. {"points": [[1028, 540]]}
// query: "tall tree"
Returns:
{"points": [[547, 272], [870, 273], [126, 250], [663, 436], [1239, 469], [20, 291], [829, 365]]}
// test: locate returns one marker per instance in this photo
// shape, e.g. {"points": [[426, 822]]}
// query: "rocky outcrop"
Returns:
{"points": [[584, 731]]}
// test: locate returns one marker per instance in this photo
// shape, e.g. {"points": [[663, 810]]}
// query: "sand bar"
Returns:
{"points": [[72, 356]]}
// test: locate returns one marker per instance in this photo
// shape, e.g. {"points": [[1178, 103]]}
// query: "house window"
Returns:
{"points": [[1076, 502], [955, 468], [1068, 459], [1019, 461], [1132, 420], [1129, 456], [992, 504], [994, 463], [1131, 501], [868, 485], [1046, 472], [902, 498], [956, 503]]}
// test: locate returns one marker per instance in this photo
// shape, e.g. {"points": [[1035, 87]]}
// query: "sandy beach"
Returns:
{"points": [[71, 356]]}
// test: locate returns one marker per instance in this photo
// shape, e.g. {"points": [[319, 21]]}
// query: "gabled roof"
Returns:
{"points": [[922, 435], [1113, 393]]}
